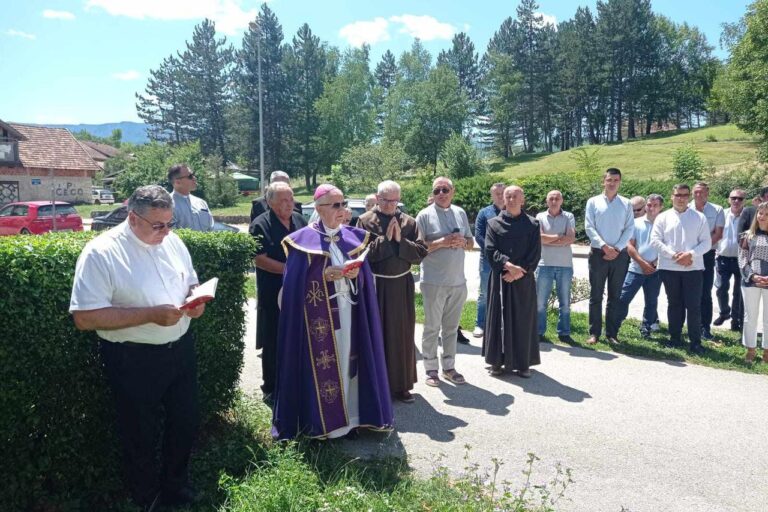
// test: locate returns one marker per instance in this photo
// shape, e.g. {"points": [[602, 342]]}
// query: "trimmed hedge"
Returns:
{"points": [[57, 445]]}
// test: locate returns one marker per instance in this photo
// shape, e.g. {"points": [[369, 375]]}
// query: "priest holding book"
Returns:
{"points": [[331, 373], [396, 244]]}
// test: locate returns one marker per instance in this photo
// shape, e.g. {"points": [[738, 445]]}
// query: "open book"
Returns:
{"points": [[201, 294], [351, 265]]}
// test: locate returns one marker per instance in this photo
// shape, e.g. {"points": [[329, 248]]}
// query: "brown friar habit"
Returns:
{"points": [[395, 294], [510, 325]]}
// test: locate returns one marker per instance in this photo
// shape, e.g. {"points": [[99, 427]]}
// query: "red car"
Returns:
{"points": [[35, 217]]}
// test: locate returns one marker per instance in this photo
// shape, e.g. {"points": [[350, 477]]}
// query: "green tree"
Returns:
{"points": [[163, 105], [460, 157], [687, 165], [463, 60], [367, 165]]}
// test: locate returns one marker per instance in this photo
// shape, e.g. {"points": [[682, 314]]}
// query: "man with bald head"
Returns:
{"points": [[445, 229], [638, 206], [558, 231], [513, 249], [270, 228]]}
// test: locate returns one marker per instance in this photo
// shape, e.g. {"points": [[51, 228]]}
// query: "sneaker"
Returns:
{"points": [[706, 334], [566, 338], [655, 327], [478, 332], [720, 320], [697, 349], [613, 340], [461, 338], [735, 327], [645, 334]]}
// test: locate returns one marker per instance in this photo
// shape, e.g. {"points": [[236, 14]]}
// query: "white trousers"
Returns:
{"points": [[442, 314], [752, 296]]}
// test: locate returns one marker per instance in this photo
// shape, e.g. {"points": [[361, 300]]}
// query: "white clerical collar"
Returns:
{"points": [[132, 236]]}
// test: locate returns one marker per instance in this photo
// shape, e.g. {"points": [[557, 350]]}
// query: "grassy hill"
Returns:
{"points": [[649, 157]]}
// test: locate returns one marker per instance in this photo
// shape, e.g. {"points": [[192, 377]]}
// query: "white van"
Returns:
{"points": [[102, 196]]}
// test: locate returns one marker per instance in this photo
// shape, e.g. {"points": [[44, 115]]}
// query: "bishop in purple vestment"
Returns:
{"points": [[331, 374]]}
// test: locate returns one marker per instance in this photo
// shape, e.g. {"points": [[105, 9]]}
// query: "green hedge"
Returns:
{"points": [[57, 444]]}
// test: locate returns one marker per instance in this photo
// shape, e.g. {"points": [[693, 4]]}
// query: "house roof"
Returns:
{"points": [[11, 131], [52, 148], [99, 151]]}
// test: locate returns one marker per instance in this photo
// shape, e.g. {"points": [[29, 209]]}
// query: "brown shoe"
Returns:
{"points": [[750, 358], [592, 340]]}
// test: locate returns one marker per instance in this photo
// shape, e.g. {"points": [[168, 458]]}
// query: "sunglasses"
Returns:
{"points": [[736, 198], [190, 176], [335, 206], [157, 226], [638, 209], [441, 190]]}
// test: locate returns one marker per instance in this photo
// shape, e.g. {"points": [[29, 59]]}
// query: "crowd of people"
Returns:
{"points": [[336, 303]]}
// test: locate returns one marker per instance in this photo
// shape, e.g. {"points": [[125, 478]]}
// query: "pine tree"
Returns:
{"points": [[162, 106]]}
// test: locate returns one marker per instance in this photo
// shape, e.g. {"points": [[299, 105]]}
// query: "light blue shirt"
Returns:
{"points": [[191, 212], [642, 238], [609, 222]]}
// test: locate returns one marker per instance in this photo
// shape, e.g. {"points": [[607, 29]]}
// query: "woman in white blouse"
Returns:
{"points": [[753, 262]]}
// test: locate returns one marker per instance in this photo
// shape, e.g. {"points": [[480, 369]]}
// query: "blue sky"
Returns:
{"points": [[81, 61]]}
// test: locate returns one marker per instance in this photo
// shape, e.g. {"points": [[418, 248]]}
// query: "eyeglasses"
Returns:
{"points": [[736, 198], [441, 190], [157, 226], [335, 206], [681, 195], [190, 176], [388, 201], [638, 209]]}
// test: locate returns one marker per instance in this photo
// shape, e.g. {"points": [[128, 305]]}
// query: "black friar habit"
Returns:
{"points": [[511, 337]]}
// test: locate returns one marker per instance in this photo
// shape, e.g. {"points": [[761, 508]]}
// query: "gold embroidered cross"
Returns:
{"points": [[325, 360]]}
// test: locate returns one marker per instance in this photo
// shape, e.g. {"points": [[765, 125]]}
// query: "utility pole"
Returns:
{"points": [[254, 26]]}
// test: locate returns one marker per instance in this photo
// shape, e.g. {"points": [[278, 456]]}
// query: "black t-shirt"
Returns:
{"points": [[271, 232]]}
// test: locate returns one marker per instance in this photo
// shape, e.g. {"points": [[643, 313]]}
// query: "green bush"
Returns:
{"points": [[460, 157], [587, 161], [59, 450], [687, 165], [751, 178], [367, 165]]}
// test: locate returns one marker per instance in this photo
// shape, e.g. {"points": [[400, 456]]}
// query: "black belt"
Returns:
{"points": [[151, 346]]}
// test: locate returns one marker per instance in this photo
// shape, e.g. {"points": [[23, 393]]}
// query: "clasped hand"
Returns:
{"points": [[513, 272], [393, 230], [683, 258]]}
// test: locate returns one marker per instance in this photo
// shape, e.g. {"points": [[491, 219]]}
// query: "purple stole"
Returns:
{"points": [[321, 320]]}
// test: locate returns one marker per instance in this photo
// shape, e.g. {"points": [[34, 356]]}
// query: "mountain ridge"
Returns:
{"points": [[133, 132]]}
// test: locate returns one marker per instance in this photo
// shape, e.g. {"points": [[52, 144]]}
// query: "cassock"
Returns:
{"points": [[391, 264], [270, 232], [510, 326], [331, 373]]}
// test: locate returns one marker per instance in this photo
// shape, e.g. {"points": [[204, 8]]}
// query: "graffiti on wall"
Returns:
{"points": [[68, 190]]}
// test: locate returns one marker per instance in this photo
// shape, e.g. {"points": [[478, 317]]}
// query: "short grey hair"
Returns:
{"points": [[655, 197], [274, 188], [443, 178], [149, 196], [279, 176], [388, 186], [637, 200]]}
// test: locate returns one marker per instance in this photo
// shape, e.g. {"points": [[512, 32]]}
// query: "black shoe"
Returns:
{"points": [[461, 338], [543, 339], [697, 349], [720, 320], [645, 334], [184, 496], [673, 343], [706, 335], [613, 340], [566, 338], [735, 327]]}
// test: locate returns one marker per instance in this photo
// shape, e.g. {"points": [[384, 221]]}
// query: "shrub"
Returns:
{"points": [[367, 165], [586, 161], [460, 157], [710, 138], [687, 165], [221, 189], [751, 178], [56, 425]]}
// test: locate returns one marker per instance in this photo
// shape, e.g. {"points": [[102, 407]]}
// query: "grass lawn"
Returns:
{"points": [[85, 209], [243, 206], [649, 157], [724, 352]]}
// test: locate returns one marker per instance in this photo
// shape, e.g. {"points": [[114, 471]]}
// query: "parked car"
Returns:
{"points": [[36, 217], [119, 214], [102, 196], [357, 206]]}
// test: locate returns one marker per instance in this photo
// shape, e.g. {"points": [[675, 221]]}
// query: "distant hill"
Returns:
{"points": [[135, 133]]}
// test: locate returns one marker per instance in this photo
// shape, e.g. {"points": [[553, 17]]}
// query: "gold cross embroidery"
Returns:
{"points": [[325, 360], [315, 294]]}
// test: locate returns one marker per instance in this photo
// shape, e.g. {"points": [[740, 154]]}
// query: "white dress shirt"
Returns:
{"points": [[675, 232], [728, 246], [116, 269]]}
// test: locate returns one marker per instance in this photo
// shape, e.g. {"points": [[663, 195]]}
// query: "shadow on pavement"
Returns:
{"points": [[421, 417], [544, 385], [577, 351], [473, 397]]}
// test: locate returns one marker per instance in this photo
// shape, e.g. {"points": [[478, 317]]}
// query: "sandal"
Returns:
{"points": [[432, 379], [495, 371], [750, 357], [454, 376]]}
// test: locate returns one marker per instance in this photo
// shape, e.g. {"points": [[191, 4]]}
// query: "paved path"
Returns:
{"points": [[640, 434]]}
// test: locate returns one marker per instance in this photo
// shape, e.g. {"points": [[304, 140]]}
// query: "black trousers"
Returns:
{"points": [[727, 268], [600, 272], [708, 280], [147, 381], [267, 321], [683, 298]]}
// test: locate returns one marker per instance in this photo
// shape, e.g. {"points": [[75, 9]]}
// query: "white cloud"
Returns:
{"points": [[425, 28], [228, 15], [127, 75], [467, 26], [362, 32], [547, 19], [58, 15], [18, 33]]}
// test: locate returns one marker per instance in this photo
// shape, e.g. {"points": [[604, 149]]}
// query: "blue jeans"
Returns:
{"points": [[651, 285], [482, 297], [561, 278]]}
